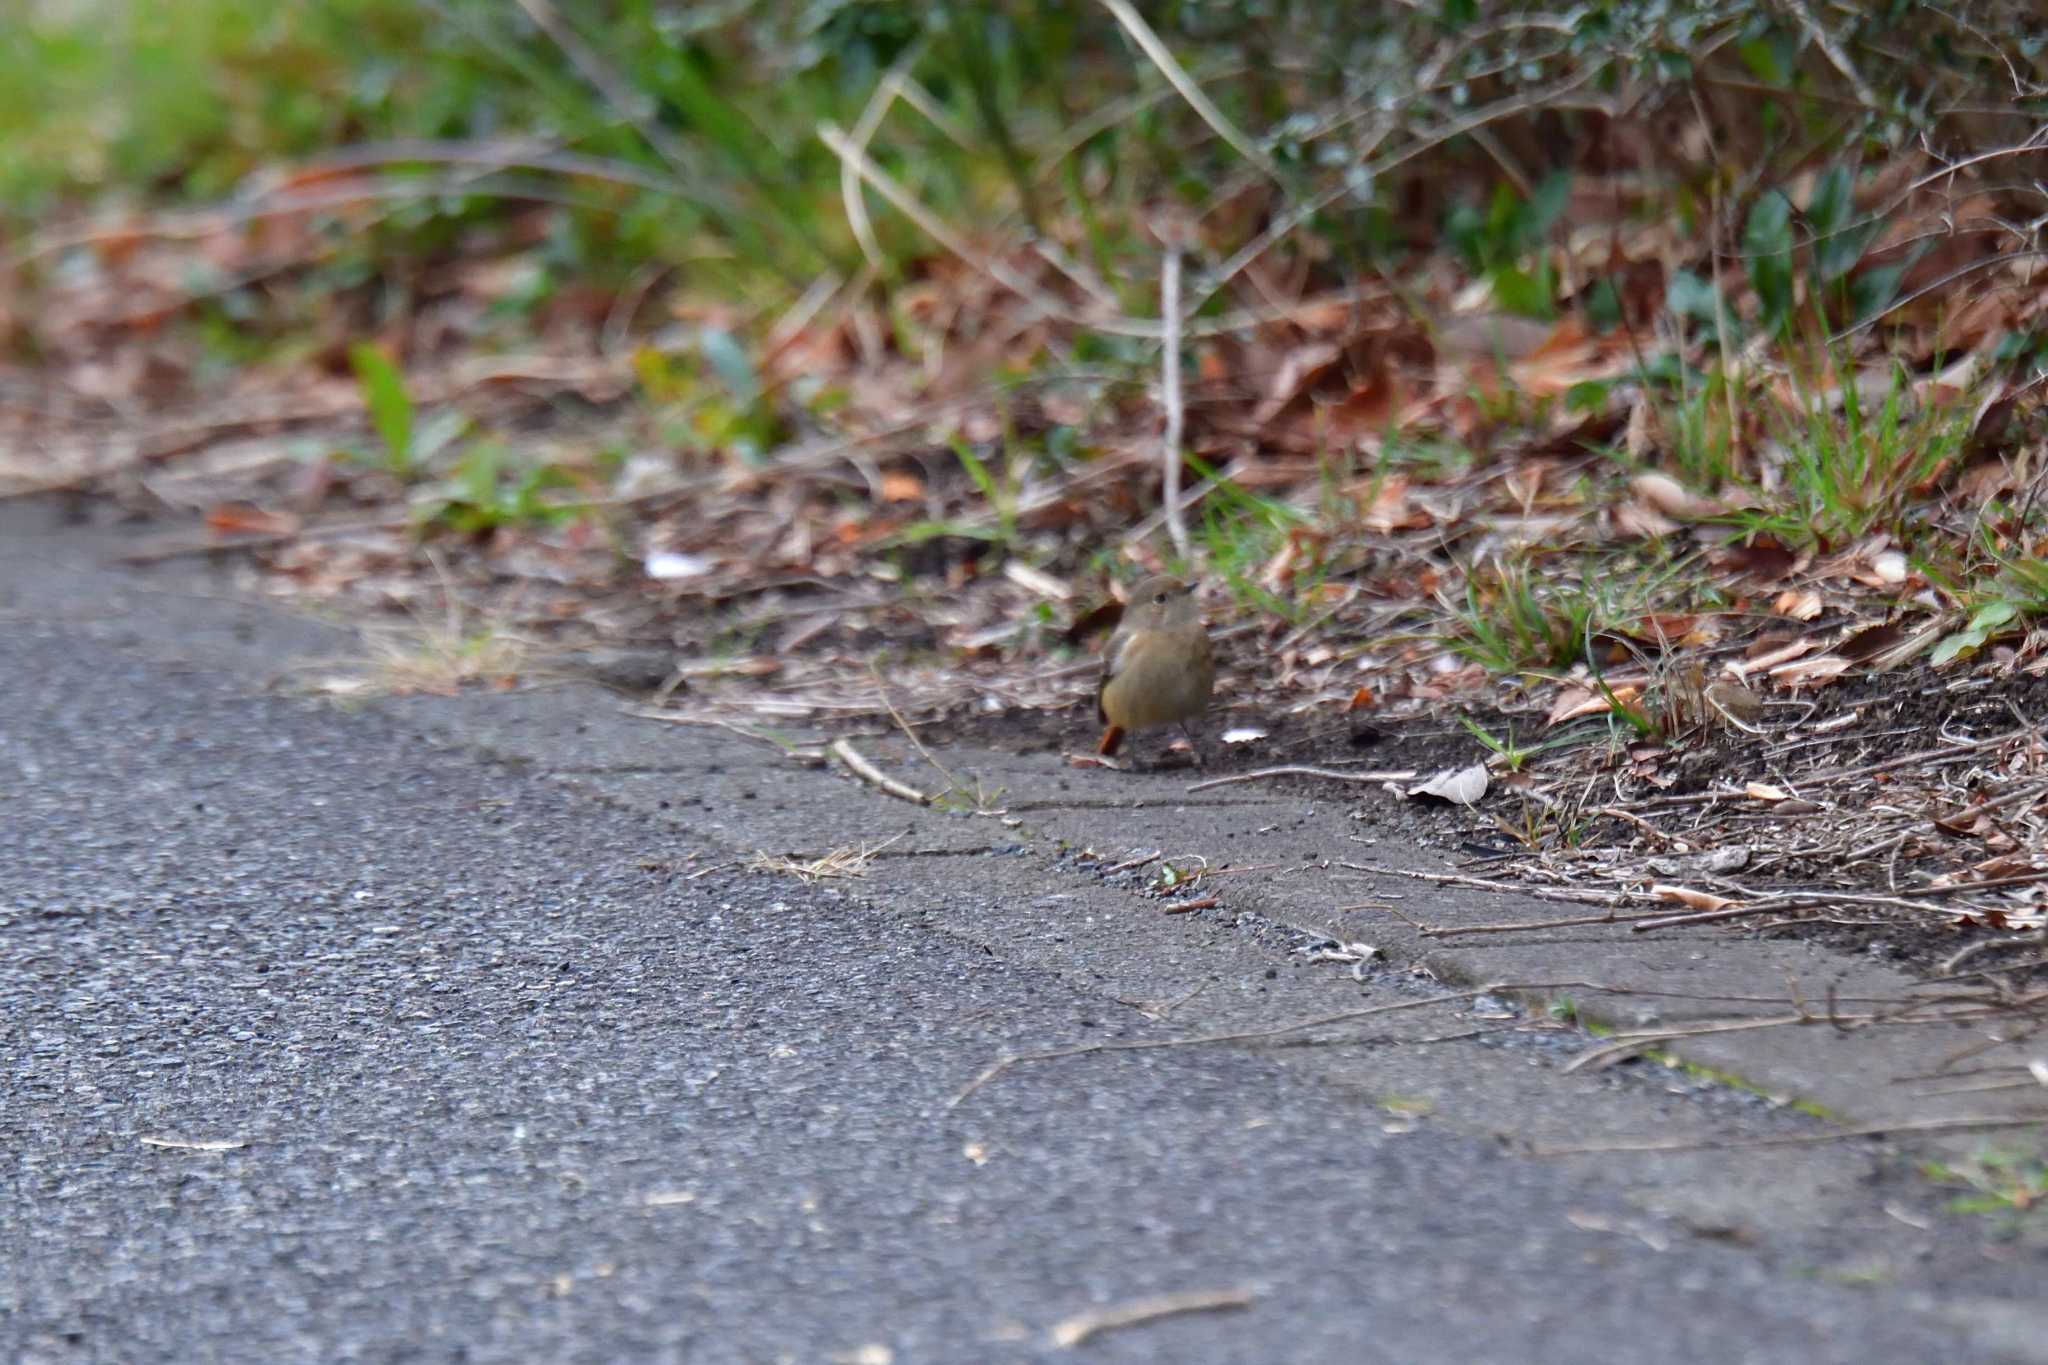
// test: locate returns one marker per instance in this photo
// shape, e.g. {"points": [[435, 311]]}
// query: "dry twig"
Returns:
{"points": [[840, 862], [1295, 770], [1968, 1123], [1169, 379], [1177, 76], [1071, 1332], [860, 767], [1008, 1060]]}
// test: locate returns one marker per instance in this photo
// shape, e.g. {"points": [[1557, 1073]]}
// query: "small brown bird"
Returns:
{"points": [[1157, 669]]}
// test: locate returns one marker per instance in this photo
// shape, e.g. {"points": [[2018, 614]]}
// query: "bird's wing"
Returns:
{"points": [[1112, 660]]}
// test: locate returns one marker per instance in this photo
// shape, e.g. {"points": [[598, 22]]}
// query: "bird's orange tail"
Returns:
{"points": [[1111, 738]]}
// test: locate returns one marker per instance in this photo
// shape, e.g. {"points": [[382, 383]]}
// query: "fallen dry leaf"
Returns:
{"points": [[1811, 672], [1673, 498], [1690, 898], [1576, 700], [1800, 604], [900, 486], [244, 518], [1770, 657], [1459, 786]]}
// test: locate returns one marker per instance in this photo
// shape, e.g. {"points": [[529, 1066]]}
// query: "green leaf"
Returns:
{"points": [[1992, 615], [976, 471], [1873, 291], [477, 476], [1951, 646], [735, 367], [1839, 242], [1503, 215], [1690, 296], [439, 431], [1768, 58], [1518, 291], [1829, 207], [1588, 395], [390, 409], [1767, 244], [1672, 65], [1603, 305], [1546, 206]]}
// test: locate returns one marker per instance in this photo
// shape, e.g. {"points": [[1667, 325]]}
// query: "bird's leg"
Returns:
{"points": [[1194, 745]]}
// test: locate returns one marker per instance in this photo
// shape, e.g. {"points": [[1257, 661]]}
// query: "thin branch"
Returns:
{"points": [[1832, 50], [859, 766], [1569, 922], [616, 92], [1933, 287], [1008, 1060], [1073, 1331], [1177, 76], [1631, 818], [1924, 756], [197, 223], [1968, 1123], [1557, 893], [939, 231], [864, 127], [1169, 391], [1296, 770], [1308, 208], [1763, 907], [158, 554]]}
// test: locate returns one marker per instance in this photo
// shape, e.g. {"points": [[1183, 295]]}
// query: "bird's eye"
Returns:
{"points": [[1159, 598]]}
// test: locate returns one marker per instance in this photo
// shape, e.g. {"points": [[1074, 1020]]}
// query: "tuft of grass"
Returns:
{"points": [[439, 657], [445, 662], [1857, 471], [1515, 619], [408, 443], [1240, 532], [2003, 1182], [1699, 441], [435, 660], [846, 862], [711, 397], [1672, 1062], [1512, 755], [490, 490], [1852, 470]]}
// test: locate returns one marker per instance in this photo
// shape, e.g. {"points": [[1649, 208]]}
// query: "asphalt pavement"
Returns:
{"points": [[326, 1035]]}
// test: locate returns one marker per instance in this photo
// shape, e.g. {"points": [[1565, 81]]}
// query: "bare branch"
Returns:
{"points": [[1177, 76]]}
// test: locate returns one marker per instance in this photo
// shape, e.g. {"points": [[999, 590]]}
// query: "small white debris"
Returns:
{"points": [[672, 564], [1732, 858], [1036, 580], [872, 1354], [1243, 734], [661, 1199]]}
